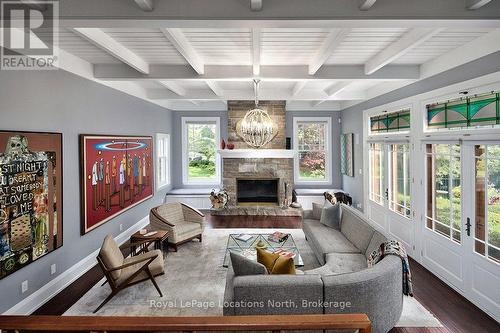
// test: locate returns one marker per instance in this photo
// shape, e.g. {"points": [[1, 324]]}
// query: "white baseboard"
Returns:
{"points": [[44, 294]]}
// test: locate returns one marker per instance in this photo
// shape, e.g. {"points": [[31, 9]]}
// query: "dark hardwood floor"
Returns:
{"points": [[455, 312]]}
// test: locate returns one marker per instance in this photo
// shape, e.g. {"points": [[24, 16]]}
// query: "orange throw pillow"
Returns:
{"points": [[266, 258], [283, 265], [275, 263]]}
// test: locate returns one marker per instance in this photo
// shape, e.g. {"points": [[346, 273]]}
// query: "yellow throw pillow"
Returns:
{"points": [[283, 265], [266, 258]]}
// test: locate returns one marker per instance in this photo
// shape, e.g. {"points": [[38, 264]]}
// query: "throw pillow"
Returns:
{"points": [[283, 265], [266, 258], [331, 216], [244, 266], [316, 211]]}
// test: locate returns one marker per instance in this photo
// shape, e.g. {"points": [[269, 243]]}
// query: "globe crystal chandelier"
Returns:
{"points": [[256, 128]]}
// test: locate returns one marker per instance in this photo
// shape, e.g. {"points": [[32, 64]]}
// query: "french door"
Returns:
{"points": [[461, 224], [390, 182]]}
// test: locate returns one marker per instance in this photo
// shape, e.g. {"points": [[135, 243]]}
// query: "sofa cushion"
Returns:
{"points": [[377, 239], [326, 240], [355, 228], [316, 210], [340, 263], [330, 216], [244, 266]]}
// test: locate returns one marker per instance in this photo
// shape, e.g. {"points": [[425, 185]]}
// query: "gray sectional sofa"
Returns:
{"points": [[344, 284]]}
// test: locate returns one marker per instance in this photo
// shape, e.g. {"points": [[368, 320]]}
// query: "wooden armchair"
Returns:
{"points": [[184, 223], [123, 272]]}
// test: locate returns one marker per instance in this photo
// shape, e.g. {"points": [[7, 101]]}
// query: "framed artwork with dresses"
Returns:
{"points": [[116, 174]]}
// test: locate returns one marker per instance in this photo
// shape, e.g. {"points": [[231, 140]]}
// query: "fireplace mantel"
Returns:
{"points": [[257, 153]]}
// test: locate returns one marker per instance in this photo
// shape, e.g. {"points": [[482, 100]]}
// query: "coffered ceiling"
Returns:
{"points": [[312, 64]]}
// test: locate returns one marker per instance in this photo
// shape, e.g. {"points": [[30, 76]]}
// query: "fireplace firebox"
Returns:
{"points": [[257, 191]]}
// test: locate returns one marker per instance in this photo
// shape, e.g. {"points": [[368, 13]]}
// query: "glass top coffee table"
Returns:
{"points": [[247, 248]]}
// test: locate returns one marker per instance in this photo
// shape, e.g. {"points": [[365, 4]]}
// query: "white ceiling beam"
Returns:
{"points": [[256, 5], [336, 88], [475, 4], [256, 51], [248, 94], [145, 5], [118, 72], [181, 43], [215, 87], [102, 40], [409, 40], [332, 41], [297, 88], [366, 4], [174, 87], [475, 49], [333, 91]]}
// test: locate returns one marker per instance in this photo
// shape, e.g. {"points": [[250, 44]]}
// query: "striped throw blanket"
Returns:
{"points": [[394, 248]]}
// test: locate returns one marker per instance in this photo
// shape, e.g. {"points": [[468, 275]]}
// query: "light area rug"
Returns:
{"points": [[194, 283]]}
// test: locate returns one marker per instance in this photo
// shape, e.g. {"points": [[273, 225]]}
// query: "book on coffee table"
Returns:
{"points": [[285, 253], [243, 237], [278, 237]]}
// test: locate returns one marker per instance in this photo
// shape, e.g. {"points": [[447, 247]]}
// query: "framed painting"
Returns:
{"points": [[30, 197], [346, 154], [116, 175]]}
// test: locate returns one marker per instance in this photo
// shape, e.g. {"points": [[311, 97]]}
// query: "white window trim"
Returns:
{"points": [[185, 179], [161, 185], [328, 147]]}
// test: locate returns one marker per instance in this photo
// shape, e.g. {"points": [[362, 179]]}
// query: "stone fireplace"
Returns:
{"points": [[246, 167]]}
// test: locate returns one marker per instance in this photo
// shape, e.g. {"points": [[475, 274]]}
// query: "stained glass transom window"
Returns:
{"points": [[478, 110], [391, 122]]}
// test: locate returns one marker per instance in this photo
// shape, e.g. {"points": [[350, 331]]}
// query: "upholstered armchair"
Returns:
{"points": [[184, 223], [123, 272]]}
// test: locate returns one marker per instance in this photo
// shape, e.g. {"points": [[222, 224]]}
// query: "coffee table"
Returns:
{"points": [[247, 248]]}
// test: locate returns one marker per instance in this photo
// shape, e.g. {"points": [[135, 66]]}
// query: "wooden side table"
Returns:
{"points": [[142, 242]]}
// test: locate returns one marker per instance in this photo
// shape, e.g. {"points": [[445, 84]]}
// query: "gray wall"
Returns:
{"points": [[335, 143], [57, 101], [352, 117]]}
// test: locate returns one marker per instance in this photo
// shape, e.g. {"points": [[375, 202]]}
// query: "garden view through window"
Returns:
{"points": [[201, 151], [312, 139], [400, 182], [487, 223], [443, 190]]}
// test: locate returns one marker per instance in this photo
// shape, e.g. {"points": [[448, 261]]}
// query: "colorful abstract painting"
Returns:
{"points": [[117, 174], [346, 154], [30, 197]]}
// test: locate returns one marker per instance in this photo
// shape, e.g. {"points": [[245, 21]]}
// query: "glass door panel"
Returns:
{"points": [[376, 169], [443, 201], [487, 201], [399, 179]]}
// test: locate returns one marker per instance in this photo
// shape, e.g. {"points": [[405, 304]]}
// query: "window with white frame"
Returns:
{"points": [[312, 143], [376, 172], [200, 160], [162, 160]]}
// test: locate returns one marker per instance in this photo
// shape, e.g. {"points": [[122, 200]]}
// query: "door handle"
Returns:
{"points": [[386, 194], [468, 225]]}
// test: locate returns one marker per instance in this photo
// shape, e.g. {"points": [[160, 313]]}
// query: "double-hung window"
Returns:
{"points": [[200, 160], [312, 143], [162, 160]]}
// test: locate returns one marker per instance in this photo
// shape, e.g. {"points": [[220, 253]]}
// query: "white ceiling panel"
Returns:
{"points": [[221, 46], [149, 44], [362, 44]]}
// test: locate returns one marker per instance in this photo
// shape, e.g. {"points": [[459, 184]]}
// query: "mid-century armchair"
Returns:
{"points": [[183, 222], [123, 272]]}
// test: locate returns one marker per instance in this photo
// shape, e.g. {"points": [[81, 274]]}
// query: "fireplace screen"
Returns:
{"points": [[257, 191]]}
